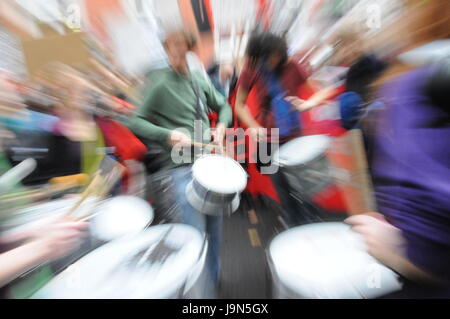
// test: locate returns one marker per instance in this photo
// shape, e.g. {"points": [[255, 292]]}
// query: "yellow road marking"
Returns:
{"points": [[252, 217], [254, 237]]}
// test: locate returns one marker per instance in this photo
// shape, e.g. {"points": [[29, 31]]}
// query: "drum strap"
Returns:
{"points": [[200, 108]]}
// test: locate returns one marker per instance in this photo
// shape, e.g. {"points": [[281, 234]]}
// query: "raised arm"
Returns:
{"points": [[242, 111]]}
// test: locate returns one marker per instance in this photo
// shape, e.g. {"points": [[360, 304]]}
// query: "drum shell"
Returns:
{"points": [[209, 202], [195, 283], [212, 196], [309, 178], [279, 290]]}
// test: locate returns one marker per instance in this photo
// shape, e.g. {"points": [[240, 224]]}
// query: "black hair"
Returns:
{"points": [[437, 85], [262, 45]]}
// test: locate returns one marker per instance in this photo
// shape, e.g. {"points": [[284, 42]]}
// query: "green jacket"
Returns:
{"points": [[170, 103]]}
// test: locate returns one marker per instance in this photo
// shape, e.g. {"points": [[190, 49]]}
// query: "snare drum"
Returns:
{"points": [[327, 260], [217, 182], [160, 263], [304, 164], [110, 219]]}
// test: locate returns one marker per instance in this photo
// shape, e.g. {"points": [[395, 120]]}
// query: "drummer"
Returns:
{"points": [[167, 118], [410, 163], [271, 73]]}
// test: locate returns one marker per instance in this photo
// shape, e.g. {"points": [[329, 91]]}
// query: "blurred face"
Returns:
{"points": [[75, 91], [177, 48], [273, 61]]}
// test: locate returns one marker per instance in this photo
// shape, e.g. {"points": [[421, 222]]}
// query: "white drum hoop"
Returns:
{"points": [[298, 145], [311, 174], [300, 278]]}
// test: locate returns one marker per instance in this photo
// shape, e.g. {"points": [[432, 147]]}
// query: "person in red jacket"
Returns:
{"points": [[275, 82]]}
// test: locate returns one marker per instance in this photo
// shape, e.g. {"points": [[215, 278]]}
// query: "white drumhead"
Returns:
{"points": [[329, 260], [220, 174], [110, 271], [301, 150], [120, 216]]}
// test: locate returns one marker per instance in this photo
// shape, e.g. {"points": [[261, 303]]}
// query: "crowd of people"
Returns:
{"points": [[400, 106]]}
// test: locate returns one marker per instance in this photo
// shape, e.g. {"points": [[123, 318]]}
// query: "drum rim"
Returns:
{"points": [[212, 207], [123, 241], [276, 156], [321, 156], [311, 225]]}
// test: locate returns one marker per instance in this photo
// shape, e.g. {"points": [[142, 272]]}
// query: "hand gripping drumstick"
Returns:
{"points": [[218, 147], [34, 195], [203, 145], [103, 185]]}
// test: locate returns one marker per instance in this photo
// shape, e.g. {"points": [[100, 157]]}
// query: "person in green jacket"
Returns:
{"points": [[169, 109], [168, 117]]}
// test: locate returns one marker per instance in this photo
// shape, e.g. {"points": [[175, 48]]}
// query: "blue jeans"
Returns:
{"points": [[186, 214]]}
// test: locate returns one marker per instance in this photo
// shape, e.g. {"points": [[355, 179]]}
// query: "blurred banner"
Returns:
{"points": [[69, 49], [201, 15], [11, 56], [347, 155], [15, 19], [95, 13]]}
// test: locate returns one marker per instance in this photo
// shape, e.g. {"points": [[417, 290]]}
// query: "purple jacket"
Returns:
{"points": [[410, 167]]}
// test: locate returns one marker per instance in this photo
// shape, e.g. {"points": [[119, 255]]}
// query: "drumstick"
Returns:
{"points": [[104, 188], [34, 195], [18, 194], [88, 191], [204, 145], [217, 147], [85, 195], [85, 217], [39, 194], [79, 179]]}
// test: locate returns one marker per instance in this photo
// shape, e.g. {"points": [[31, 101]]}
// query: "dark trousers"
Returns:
{"points": [[295, 209]]}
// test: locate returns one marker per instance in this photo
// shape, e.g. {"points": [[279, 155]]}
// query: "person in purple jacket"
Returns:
{"points": [[410, 168], [407, 135]]}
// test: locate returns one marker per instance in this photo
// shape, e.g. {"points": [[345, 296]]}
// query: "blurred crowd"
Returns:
{"points": [[69, 119]]}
